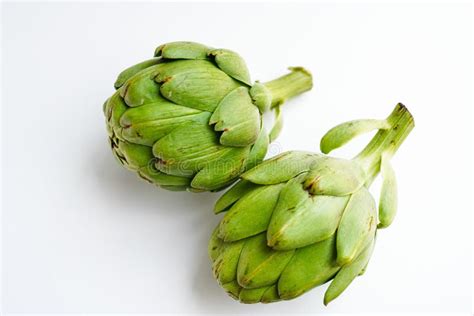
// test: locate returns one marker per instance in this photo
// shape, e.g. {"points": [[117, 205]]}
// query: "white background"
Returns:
{"points": [[82, 234]]}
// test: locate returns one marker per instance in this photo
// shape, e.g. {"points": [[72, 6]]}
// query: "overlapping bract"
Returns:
{"points": [[302, 219], [190, 117]]}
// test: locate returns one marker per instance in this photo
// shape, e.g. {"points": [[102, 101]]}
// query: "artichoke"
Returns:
{"points": [[301, 219], [190, 118]]}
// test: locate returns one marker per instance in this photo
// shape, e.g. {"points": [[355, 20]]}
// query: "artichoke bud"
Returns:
{"points": [[302, 219], [195, 109]]}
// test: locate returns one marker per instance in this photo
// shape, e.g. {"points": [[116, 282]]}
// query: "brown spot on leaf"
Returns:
{"points": [[167, 79], [161, 161]]}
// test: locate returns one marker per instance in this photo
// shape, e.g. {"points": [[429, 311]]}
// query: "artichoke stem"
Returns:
{"points": [[296, 82], [386, 141]]}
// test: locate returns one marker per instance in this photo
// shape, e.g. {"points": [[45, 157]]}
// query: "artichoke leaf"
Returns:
{"points": [[249, 296], [133, 70], [271, 295], [310, 266], [334, 176], [148, 132], [232, 288], [388, 194], [345, 132], [259, 265], [216, 174], [232, 64], [237, 118], [195, 83], [258, 150], [188, 149], [357, 224], [182, 50], [277, 125], [155, 111], [291, 197], [251, 214], [232, 195], [119, 156], [292, 194], [151, 174], [261, 96], [141, 89], [280, 168], [215, 245], [314, 220], [225, 265], [177, 188], [115, 108], [348, 273], [137, 156]]}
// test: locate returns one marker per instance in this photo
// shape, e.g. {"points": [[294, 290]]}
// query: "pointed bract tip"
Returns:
{"points": [[324, 149], [342, 261], [217, 210], [271, 242], [159, 50], [326, 300]]}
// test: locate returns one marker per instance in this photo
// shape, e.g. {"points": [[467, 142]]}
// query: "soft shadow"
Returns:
{"points": [[140, 197], [116, 182], [205, 287]]}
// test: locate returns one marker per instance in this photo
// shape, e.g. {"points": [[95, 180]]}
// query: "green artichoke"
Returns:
{"points": [[301, 219], [190, 118]]}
